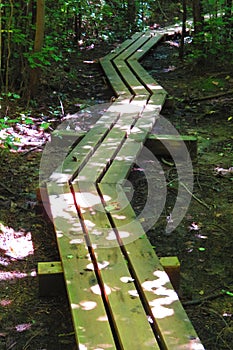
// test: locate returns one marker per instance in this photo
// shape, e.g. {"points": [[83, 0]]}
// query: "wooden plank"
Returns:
{"points": [[130, 79], [110, 146], [87, 308], [129, 316], [159, 145], [167, 314], [119, 86], [120, 48], [100, 160], [130, 50], [127, 155], [80, 154], [142, 51], [146, 78]]}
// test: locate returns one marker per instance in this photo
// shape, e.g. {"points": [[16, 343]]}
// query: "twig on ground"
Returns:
{"points": [[204, 299], [195, 197], [8, 189], [210, 97]]}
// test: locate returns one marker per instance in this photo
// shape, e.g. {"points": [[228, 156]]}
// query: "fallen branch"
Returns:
{"points": [[210, 97], [207, 298], [195, 197]]}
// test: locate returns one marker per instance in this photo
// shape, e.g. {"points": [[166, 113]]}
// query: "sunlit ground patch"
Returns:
{"points": [[16, 244]]}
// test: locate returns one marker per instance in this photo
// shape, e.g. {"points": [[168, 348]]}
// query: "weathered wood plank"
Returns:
{"points": [[80, 154], [143, 50], [134, 82], [136, 45], [129, 316], [119, 49], [160, 145], [87, 308], [130, 79], [109, 147], [120, 88], [127, 155], [167, 314]]}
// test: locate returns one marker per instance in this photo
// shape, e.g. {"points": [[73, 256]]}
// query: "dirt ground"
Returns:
{"points": [[203, 241]]}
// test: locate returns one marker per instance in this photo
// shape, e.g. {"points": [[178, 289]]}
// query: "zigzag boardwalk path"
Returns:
{"points": [[119, 294]]}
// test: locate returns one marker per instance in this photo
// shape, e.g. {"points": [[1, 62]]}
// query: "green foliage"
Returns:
{"points": [[215, 43], [73, 23]]}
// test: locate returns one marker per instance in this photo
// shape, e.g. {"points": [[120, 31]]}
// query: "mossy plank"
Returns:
{"points": [[118, 85], [110, 146], [146, 78], [143, 50], [130, 79], [119, 49], [132, 147], [85, 148], [87, 308], [168, 316], [130, 50], [128, 314], [159, 145]]}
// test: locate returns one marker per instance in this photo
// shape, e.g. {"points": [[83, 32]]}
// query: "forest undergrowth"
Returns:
{"points": [[199, 105]]}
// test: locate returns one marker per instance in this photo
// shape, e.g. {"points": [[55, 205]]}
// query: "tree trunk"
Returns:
{"points": [[38, 45], [131, 13], [228, 19], [181, 50], [198, 19]]}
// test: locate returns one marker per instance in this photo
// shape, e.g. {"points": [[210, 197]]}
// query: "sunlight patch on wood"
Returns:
{"points": [[88, 305], [96, 289], [77, 241], [122, 234], [133, 293], [126, 279], [101, 265], [102, 318], [88, 199]]}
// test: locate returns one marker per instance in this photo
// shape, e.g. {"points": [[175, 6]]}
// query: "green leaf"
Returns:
{"points": [[45, 125]]}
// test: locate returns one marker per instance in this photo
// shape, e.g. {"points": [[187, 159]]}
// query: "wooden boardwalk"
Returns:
{"points": [[119, 294]]}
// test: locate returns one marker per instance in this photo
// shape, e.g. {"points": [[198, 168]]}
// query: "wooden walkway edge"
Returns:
{"points": [[120, 296]]}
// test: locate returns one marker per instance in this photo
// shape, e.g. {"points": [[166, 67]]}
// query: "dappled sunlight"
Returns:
{"points": [[96, 289], [119, 217], [122, 234], [87, 305], [11, 275], [77, 241], [60, 177], [103, 318], [88, 199], [62, 205], [127, 279], [15, 244], [133, 293], [87, 147], [101, 265], [157, 288]]}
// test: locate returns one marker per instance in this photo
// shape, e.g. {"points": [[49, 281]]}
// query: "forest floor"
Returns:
{"points": [[203, 241]]}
